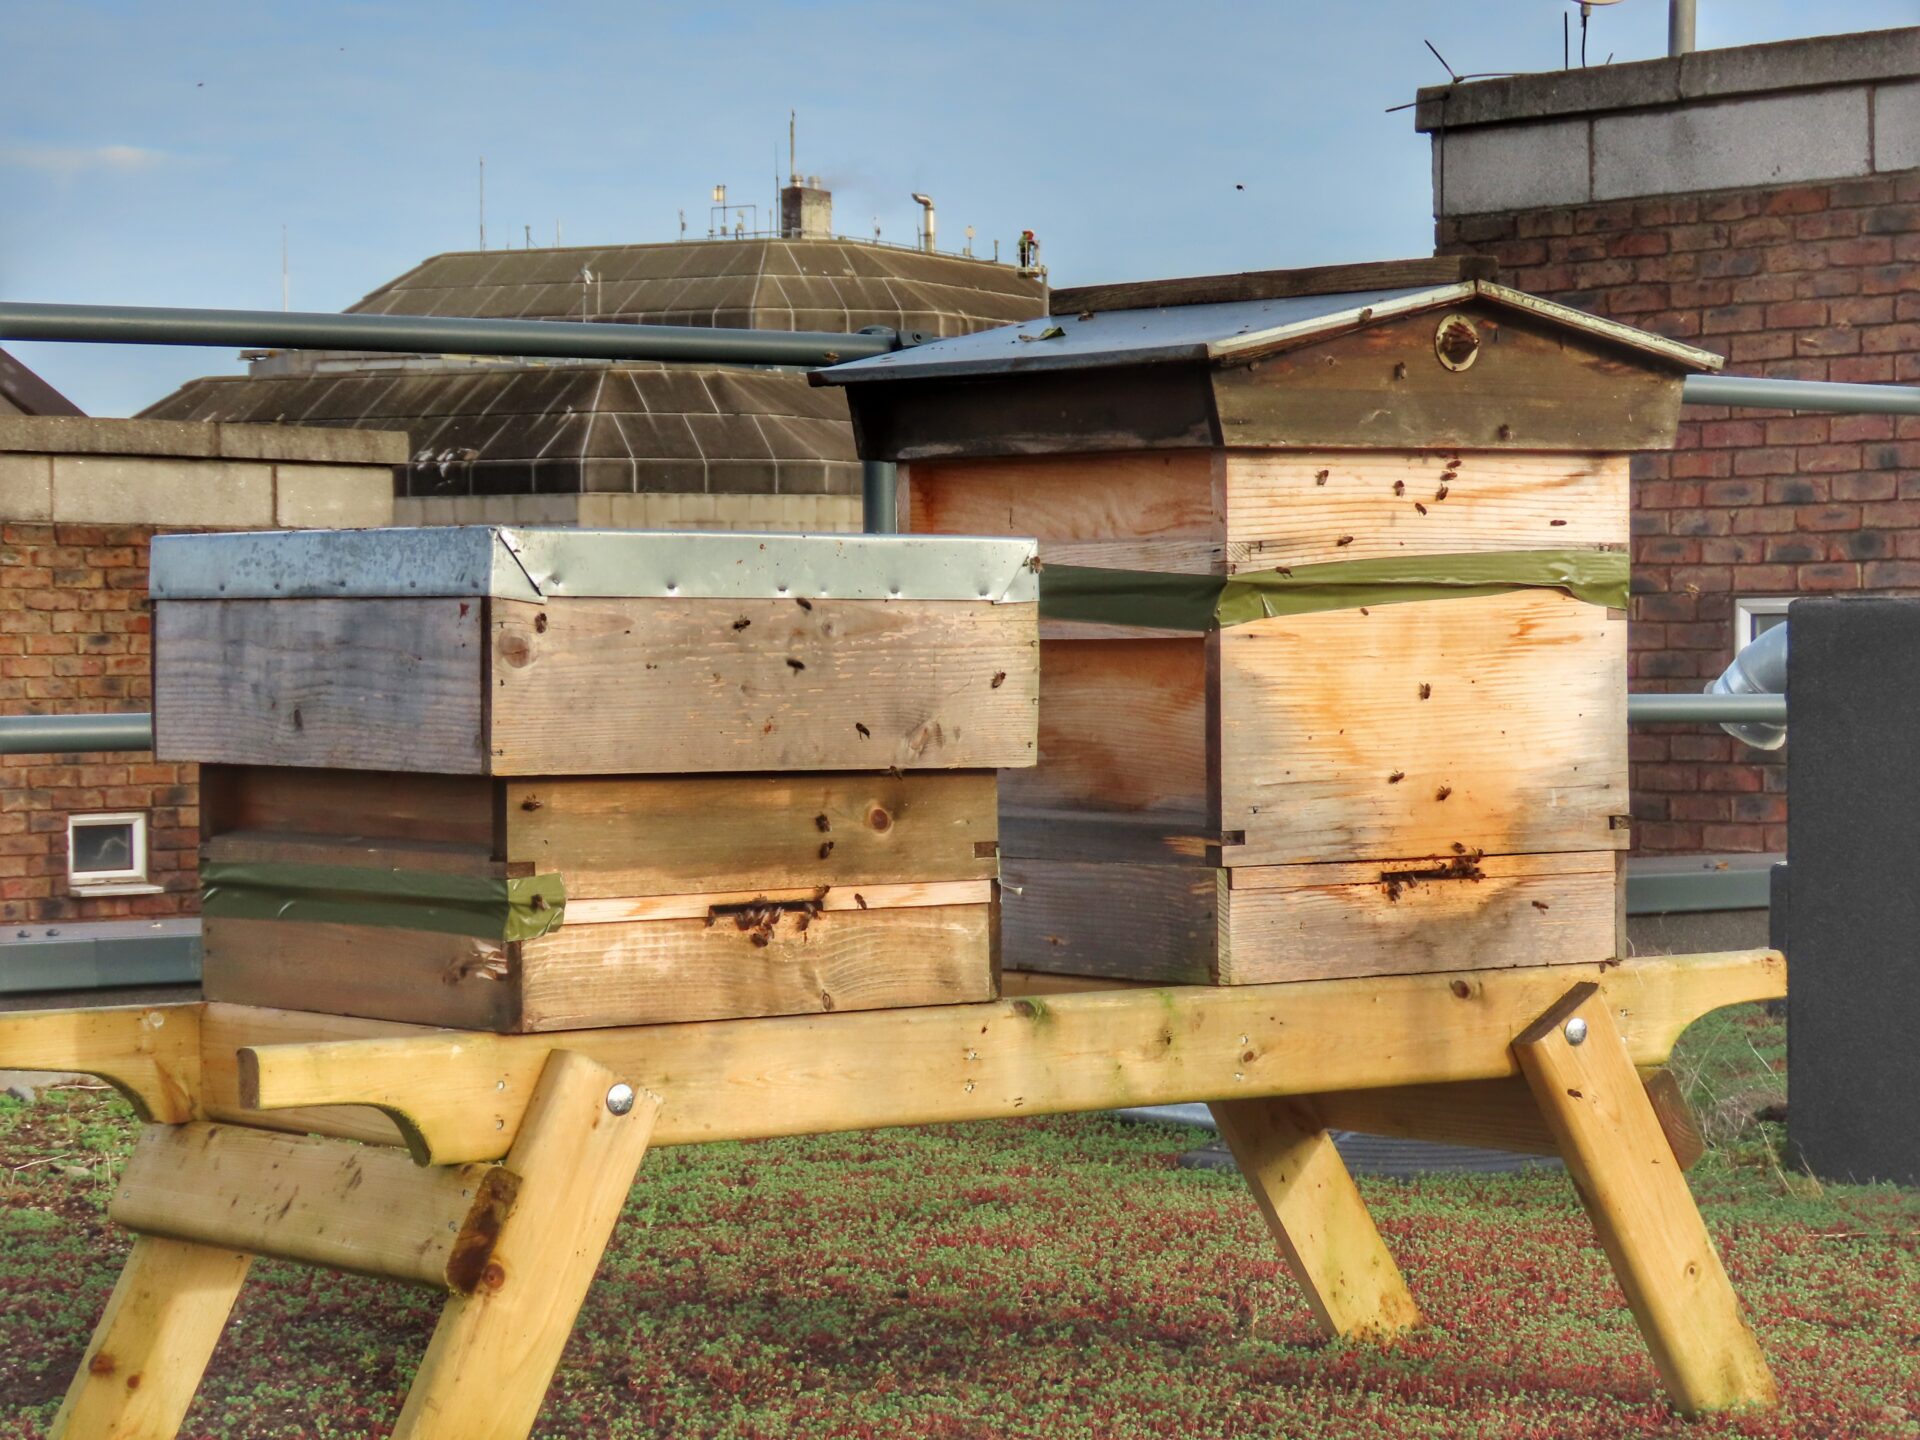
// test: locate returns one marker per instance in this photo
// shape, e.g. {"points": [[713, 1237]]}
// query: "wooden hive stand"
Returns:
{"points": [[527, 1144]]}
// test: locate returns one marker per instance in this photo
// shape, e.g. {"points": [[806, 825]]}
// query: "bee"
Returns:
{"points": [[803, 602], [1399, 487], [796, 665], [1443, 792], [1426, 691], [826, 849], [1556, 522], [1418, 506], [742, 623], [822, 824], [1396, 777], [999, 679], [865, 734], [1540, 905], [1441, 493], [1344, 540], [1320, 476]]}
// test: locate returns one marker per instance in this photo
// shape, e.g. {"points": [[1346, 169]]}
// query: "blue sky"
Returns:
{"points": [[150, 153]]}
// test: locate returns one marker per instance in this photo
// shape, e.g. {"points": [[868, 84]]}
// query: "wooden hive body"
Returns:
{"points": [[1383, 785], [804, 823]]}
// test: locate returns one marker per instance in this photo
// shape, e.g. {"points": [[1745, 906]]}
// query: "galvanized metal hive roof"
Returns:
{"points": [[566, 429], [1223, 333], [539, 563], [830, 285]]}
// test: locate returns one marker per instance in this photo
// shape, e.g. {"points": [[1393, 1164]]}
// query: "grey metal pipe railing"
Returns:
{"points": [[413, 334], [1748, 392], [1685, 709], [74, 734], [71, 734], [879, 497]]}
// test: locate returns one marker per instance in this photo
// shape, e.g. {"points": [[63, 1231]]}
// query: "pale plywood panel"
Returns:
{"points": [[1316, 922], [823, 900], [1125, 496], [356, 684], [665, 971], [1524, 727], [1124, 728], [661, 685], [1294, 508], [684, 834]]}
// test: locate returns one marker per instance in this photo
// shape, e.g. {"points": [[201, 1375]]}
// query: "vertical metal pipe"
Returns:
{"points": [[1680, 27], [879, 484]]}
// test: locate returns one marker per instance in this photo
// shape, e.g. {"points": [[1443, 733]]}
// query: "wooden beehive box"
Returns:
{"points": [[1334, 647], [532, 780]]}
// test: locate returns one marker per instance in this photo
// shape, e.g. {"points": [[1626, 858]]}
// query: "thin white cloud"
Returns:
{"points": [[77, 159]]}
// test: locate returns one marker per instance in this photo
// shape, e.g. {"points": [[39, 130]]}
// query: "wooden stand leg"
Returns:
{"points": [[151, 1347], [1317, 1216], [1632, 1186], [493, 1353]]}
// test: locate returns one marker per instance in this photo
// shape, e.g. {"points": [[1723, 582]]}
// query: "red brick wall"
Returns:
{"points": [[74, 639], [1811, 282]]}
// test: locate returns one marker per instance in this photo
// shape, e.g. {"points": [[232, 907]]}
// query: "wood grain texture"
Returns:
{"points": [[617, 972], [667, 971], [1274, 284], [1298, 922], [347, 804], [1315, 1214], [1146, 511], [434, 857], [1533, 386], [822, 900], [358, 1208], [149, 1053], [1634, 1192], [653, 686], [356, 684], [1294, 507], [689, 833], [376, 971], [460, 1096], [1159, 923], [151, 1347], [1124, 728], [1524, 728], [493, 1353]]}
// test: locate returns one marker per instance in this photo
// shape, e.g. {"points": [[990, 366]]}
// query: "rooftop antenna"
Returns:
{"points": [[483, 202], [286, 291], [925, 202], [529, 234], [968, 251], [793, 168], [556, 234]]}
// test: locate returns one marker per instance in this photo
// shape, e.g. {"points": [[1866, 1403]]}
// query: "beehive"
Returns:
{"points": [[1334, 647], [531, 780]]}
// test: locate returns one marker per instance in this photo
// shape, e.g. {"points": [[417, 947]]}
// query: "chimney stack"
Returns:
{"points": [[806, 210]]}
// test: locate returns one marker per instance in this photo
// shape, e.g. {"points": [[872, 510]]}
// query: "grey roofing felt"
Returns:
{"points": [[763, 284], [566, 429], [1233, 330]]}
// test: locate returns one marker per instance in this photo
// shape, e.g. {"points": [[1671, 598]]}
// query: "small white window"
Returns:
{"points": [[107, 854], [1752, 618]]}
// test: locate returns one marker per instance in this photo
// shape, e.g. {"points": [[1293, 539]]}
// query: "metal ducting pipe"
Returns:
{"points": [[1760, 669], [925, 202], [1680, 27]]}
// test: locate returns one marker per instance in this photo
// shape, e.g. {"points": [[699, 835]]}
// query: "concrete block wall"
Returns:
{"points": [[1763, 203], [80, 502]]}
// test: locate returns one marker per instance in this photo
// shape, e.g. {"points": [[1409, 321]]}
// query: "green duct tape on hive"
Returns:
{"points": [[487, 907], [1210, 602]]}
